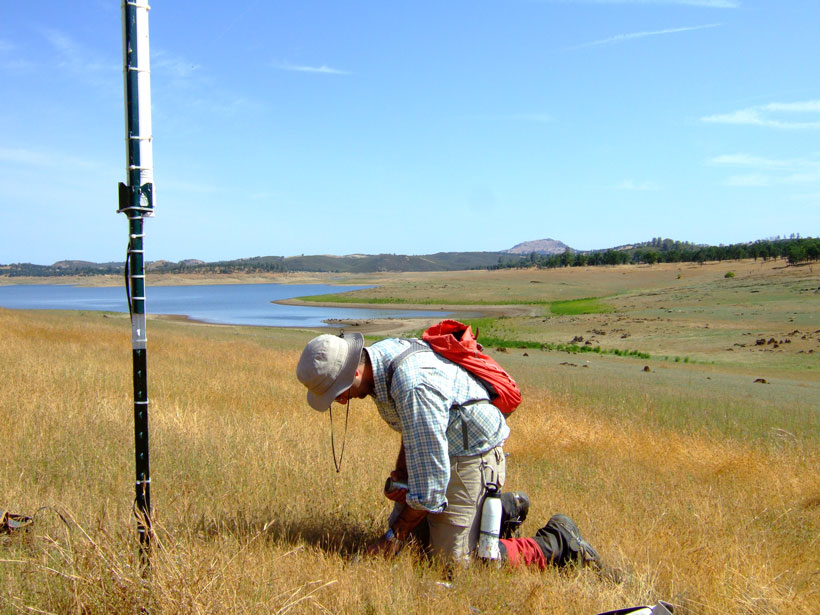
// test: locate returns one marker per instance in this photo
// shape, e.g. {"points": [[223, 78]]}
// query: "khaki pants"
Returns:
{"points": [[454, 532]]}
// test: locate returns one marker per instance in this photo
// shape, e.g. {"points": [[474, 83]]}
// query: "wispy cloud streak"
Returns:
{"points": [[757, 171], [639, 186], [25, 157], [541, 118], [620, 38], [172, 66], [536, 117], [815, 196], [10, 60], [325, 70], [78, 58], [186, 84], [772, 115], [714, 4]]}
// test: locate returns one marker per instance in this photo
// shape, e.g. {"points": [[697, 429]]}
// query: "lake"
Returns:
{"points": [[232, 304]]}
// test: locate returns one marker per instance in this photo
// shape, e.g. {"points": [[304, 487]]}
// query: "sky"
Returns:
{"points": [[309, 127]]}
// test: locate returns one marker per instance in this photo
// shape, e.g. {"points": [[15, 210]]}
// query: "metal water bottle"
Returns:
{"points": [[490, 527]]}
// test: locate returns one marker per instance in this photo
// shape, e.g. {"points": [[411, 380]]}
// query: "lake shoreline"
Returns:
{"points": [[243, 305], [366, 326], [393, 326]]}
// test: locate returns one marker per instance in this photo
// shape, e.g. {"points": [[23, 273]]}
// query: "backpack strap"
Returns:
{"points": [[416, 346]]}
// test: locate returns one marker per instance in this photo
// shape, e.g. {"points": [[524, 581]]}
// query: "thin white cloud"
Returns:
{"points": [[172, 65], [620, 38], [773, 115], [16, 64], [224, 103], [747, 160], [325, 70], [45, 159], [750, 181], [638, 186], [537, 117], [189, 187], [532, 117], [814, 196], [76, 57], [762, 172], [714, 4], [9, 58], [744, 116], [262, 196], [186, 84], [807, 106], [25, 157]]}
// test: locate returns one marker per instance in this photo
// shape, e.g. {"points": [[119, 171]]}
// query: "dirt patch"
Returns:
{"points": [[397, 326]]}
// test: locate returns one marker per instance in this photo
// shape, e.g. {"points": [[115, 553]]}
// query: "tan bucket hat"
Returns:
{"points": [[327, 367]]}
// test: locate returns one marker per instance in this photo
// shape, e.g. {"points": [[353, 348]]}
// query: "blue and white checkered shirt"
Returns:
{"points": [[436, 405]]}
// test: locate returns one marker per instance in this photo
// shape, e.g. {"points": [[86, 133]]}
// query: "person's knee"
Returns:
{"points": [[449, 540]]}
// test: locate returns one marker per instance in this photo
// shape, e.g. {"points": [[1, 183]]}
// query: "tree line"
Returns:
{"points": [[794, 250]]}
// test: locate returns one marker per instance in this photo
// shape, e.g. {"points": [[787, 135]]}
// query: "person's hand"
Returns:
{"points": [[407, 521], [397, 495], [385, 547]]}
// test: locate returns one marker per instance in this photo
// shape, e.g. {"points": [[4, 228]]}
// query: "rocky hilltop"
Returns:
{"points": [[539, 246]]}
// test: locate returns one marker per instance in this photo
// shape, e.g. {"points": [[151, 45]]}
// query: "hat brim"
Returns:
{"points": [[355, 343]]}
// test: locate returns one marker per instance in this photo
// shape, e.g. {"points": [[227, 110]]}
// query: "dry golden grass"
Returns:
{"points": [[252, 518], [567, 283]]}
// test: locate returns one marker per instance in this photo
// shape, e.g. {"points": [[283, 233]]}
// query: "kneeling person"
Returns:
{"points": [[452, 436], [451, 453]]}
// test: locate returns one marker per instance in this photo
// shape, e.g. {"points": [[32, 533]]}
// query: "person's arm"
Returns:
{"points": [[399, 532], [400, 475], [424, 413], [400, 529]]}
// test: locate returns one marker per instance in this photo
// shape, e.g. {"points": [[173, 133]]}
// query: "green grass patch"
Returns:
{"points": [[494, 341], [575, 348], [576, 307], [352, 298]]}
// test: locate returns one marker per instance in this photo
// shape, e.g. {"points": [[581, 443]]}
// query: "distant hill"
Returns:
{"points": [[538, 253], [352, 263], [164, 265], [539, 246], [364, 263], [71, 267]]}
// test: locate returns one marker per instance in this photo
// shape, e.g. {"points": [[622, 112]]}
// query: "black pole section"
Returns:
{"points": [[136, 201], [141, 457]]}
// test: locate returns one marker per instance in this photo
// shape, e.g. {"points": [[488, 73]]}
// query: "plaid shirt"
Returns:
{"points": [[435, 405]]}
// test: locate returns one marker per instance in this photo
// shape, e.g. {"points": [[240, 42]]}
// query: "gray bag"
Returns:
{"points": [[662, 608], [10, 522]]}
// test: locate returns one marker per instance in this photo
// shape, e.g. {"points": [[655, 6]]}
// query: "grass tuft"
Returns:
{"points": [[575, 307]]}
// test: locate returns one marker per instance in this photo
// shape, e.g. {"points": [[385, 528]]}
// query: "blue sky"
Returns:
{"points": [[284, 128]]}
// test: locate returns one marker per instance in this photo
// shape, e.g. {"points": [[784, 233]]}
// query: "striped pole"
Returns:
{"points": [[136, 200]]}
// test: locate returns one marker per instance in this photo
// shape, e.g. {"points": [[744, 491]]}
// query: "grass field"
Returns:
{"points": [[699, 482]]}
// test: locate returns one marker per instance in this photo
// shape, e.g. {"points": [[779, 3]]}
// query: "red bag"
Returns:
{"points": [[455, 341]]}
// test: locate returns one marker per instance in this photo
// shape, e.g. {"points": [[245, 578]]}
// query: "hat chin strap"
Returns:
{"points": [[338, 463]]}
